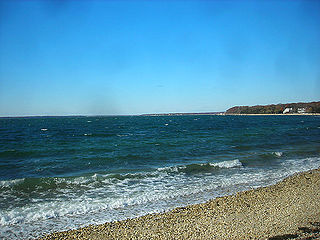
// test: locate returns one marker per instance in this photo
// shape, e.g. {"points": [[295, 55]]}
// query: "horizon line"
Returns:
{"points": [[110, 115]]}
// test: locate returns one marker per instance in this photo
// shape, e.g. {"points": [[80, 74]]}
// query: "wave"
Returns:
{"points": [[278, 154], [76, 196], [269, 155], [228, 164], [109, 197], [9, 183], [98, 179], [202, 167]]}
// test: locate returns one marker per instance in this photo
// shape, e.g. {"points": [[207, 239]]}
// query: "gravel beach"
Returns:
{"points": [[289, 209]]}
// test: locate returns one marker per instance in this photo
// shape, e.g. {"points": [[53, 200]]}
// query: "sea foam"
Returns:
{"points": [[104, 197], [202, 166], [228, 164]]}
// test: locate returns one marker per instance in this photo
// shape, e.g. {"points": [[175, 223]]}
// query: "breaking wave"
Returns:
{"points": [[100, 197], [202, 167]]}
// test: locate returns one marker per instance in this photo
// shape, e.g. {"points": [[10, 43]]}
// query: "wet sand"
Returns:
{"points": [[289, 209]]}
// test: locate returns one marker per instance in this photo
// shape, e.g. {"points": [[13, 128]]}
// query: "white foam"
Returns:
{"points": [[278, 154], [100, 198], [227, 164], [7, 183], [44, 129], [171, 169]]}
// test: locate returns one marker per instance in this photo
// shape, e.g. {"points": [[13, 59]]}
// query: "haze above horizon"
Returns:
{"points": [[137, 57]]}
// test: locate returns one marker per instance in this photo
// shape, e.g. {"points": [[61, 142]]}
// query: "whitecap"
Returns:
{"points": [[278, 154], [224, 164], [227, 164], [7, 183], [171, 168]]}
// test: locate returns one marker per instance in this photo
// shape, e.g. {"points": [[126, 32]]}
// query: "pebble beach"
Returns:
{"points": [[289, 209]]}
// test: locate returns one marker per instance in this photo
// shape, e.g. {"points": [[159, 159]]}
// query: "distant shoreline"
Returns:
{"points": [[230, 114], [280, 114], [287, 108], [172, 114]]}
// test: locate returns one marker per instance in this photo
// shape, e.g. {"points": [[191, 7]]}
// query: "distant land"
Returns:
{"points": [[183, 114], [287, 108], [312, 108]]}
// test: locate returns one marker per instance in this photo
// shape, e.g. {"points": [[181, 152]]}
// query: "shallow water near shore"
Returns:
{"points": [[58, 173]]}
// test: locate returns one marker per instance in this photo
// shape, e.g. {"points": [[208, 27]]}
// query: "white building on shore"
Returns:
{"points": [[287, 110], [301, 110]]}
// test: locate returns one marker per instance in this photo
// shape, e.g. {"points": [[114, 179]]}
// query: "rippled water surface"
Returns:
{"points": [[58, 173]]}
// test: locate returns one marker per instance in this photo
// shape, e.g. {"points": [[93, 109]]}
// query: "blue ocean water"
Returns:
{"points": [[58, 173]]}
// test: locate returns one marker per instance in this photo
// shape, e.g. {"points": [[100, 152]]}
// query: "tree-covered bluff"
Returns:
{"points": [[312, 107]]}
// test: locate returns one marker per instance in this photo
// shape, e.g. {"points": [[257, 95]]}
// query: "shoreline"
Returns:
{"points": [[165, 115], [280, 114], [290, 208]]}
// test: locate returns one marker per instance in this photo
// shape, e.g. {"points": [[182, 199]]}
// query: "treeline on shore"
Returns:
{"points": [[312, 107]]}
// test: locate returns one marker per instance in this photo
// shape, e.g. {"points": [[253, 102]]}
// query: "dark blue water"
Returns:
{"points": [[64, 172]]}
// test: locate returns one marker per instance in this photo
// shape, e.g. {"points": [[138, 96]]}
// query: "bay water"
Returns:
{"points": [[58, 173]]}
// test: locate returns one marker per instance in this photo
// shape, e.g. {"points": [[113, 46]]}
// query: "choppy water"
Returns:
{"points": [[58, 173]]}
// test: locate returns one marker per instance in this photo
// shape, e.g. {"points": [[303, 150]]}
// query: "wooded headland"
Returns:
{"points": [[288, 108]]}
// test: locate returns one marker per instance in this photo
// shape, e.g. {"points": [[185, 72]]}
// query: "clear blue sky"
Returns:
{"points": [[132, 57]]}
